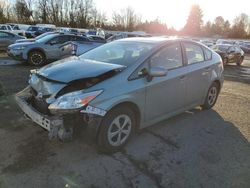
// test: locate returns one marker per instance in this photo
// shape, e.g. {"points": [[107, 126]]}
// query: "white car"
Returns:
{"points": [[6, 27]]}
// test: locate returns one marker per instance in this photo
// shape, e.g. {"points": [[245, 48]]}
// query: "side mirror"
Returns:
{"points": [[157, 72], [153, 72]]}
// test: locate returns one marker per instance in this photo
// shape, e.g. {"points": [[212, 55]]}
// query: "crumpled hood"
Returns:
{"points": [[74, 68]]}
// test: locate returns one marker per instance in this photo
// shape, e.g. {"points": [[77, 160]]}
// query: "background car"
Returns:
{"points": [[97, 38], [45, 49], [245, 46], [16, 30], [43, 30], [36, 38], [229, 53], [207, 42], [8, 38], [30, 32], [79, 47]]}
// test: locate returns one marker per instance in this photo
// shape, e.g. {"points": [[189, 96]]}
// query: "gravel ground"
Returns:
{"points": [[194, 149]]}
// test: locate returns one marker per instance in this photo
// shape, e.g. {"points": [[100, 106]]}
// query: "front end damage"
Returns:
{"points": [[60, 126], [59, 97]]}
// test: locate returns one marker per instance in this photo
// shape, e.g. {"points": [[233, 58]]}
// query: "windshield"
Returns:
{"points": [[42, 35], [32, 29], [119, 52], [46, 38]]}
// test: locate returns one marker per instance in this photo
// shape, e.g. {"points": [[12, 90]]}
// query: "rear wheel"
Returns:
{"points": [[116, 129], [225, 61], [212, 96], [240, 61], [36, 58]]}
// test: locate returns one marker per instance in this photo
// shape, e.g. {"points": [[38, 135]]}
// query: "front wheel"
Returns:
{"points": [[225, 61], [36, 58], [240, 61], [116, 129], [211, 97]]}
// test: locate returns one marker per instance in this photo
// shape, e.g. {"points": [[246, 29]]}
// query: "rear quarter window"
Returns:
{"points": [[193, 52], [208, 54]]}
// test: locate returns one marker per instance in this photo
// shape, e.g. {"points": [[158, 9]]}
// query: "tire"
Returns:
{"points": [[36, 58], [240, 61], [225, 61], [111, 129], [211, 97]]}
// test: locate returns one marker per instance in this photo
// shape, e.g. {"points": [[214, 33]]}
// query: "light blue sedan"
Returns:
{"points": [[121, 87]]}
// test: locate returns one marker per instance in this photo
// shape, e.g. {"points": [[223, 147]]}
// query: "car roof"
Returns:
{"points": [[158, 40], [153, 40], [226, 45]]}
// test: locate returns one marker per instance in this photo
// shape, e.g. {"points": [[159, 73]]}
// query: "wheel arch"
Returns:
{"points": [[135, 109], [37, 49], [130, 105], [218, 83]]}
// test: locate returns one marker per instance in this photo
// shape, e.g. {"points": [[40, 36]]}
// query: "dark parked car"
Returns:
{"points": [[43, 30], [8, 38], [97, 38], [245, 47], [30, 33], [229, 53], [122, 86]]}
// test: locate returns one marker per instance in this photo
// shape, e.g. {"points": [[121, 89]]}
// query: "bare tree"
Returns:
{"points": [[126, 19], [23, 13], [240, 26], [43, 10], [194, 21]]}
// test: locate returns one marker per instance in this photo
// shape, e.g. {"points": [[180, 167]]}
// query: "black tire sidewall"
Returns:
{"points": [[240, 61], [102, 139], [225, 61], [38, 52], [206, 105]]}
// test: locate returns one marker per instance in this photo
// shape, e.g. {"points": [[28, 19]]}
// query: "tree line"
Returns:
{"points": [[84, 14]]}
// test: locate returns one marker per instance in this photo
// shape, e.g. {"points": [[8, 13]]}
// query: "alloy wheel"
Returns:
{"points": [[212, 94], [119, 130]]}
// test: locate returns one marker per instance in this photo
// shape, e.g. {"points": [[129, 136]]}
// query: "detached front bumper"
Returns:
{"points": [[59, 126], [51, 123]]}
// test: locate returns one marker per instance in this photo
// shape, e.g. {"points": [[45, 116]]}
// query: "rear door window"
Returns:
{"points": [[193, 52], [60, 39], [3, 35], [169, 57]]}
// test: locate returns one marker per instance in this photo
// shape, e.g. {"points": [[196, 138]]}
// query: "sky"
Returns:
{"points": [[175, 12]]}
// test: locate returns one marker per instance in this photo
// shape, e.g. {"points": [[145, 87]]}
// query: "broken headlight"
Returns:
{"points": [[73, 101]]}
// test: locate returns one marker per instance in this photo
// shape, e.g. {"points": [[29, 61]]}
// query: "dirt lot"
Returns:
{"points": [[194, 149]]}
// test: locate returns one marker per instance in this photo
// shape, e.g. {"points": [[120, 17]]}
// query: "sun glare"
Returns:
{"points": [[174, 12]]}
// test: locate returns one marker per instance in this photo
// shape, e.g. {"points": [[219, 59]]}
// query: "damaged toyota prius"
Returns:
{"points": [[120, 87]]}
